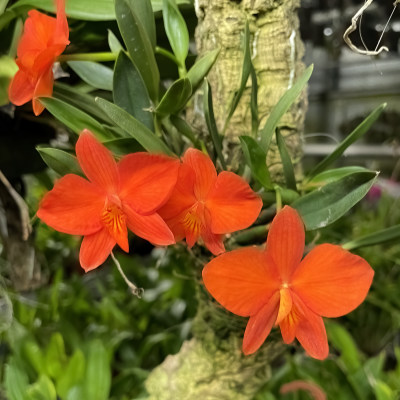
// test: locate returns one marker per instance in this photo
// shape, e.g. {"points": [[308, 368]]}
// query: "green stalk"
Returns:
{"points": [[99, 57]]}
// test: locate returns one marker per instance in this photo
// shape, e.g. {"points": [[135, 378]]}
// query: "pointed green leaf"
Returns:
{"points": [[98, 372], [133, 127], [176, 29], [15, 381], [333, 175], [123, 146], [287, 165], [245, 74], [73, 374], [43, 389], [55, 356], [256, 160], [183, 127], [201, 68], [382, 236], [175, 98], [281, 107], [60, 161], [138, 44], [130, 92], [330, 202], [210, 121], [94, 74], [74, 118], [113, 42], [355, 135], [144, 11], [253, 101], [34, 355]]}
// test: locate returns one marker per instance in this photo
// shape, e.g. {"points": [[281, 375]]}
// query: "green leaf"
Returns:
{"points": [[281, 107], [183, 127], [34, 355], [383, 391], [74, 118], [89, 10], [123, 146], [175, 98], [60, 161], [138, 44], [158, 4], [55, 356], [333, 175], [133, 127], [113, 43], [355, 135], [98, 372], [330, 202], [43, 389], [210, 121], [73, 374], [257, 161], [245, 74], [346, 345], [6, 315], [176, 29], [8, 68], [84, 102], [130, 92], [15, 381], [287, 165], [379, 237], [253, 101], [144, 11], [201, 68], [94, 74]]}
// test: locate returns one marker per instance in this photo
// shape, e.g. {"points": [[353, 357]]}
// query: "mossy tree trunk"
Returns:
{"points": [[211, 365]]}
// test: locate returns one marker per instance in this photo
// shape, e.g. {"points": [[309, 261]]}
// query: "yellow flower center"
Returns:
{"points": [[113, 218]]}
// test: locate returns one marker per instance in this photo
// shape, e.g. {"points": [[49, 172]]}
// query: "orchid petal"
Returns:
{"points": [[285, 241], [147, 180], [242, 280], [44, 88], [259, 325], [73, 206], [232, 204], [204, 170], [331, 281], [21, 88], [95, 249], [97, 162]]}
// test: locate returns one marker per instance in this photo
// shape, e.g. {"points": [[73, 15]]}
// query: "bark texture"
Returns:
{"points": [[276, 52], [211, 365]]}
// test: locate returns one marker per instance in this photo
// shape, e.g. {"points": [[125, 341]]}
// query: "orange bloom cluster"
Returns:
{"points": [[137, 193], [43, 40], [276, 287]]}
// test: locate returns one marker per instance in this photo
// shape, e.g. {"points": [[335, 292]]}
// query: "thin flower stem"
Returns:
{"points": [[134, 289], [100, 57], [168, 54], [278, 199]]}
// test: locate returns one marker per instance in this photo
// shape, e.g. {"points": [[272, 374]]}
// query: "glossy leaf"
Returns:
{"points": [[256, 160], [287, 165], [330, 202], [253, 101], [281, 107], [138, 44], [89, 10], [350, 139], [175, 98], [129, 91], [144, 11], [201, 68], [382, 236], [60, 161], [333, 175], [98, 372], [94, 74], [113, 42], [210, 121], [74, 118], [176, 29], [245, 74], [83, 101], [133, 127]]}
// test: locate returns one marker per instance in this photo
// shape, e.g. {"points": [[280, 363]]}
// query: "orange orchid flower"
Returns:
{"points": [[206, 206], [43, 40], [115, 197], [275, 287]]}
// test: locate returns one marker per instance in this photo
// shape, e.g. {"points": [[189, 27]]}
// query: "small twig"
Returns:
{"points": [[353, 27], [134, 289]]}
